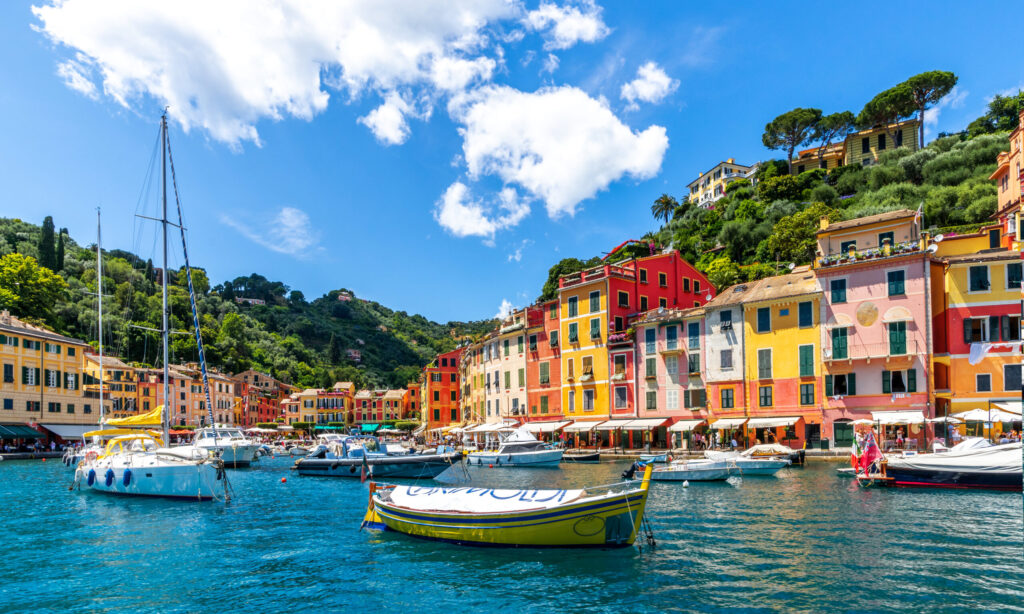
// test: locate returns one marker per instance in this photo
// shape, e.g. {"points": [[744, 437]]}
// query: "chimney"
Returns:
{"points": [[823, 223]]}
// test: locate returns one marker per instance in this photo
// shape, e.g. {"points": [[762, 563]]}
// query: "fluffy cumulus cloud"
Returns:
{"points": [[566, 25], [224, 66], [557, 144], [289, 232], [504, 310], [387, 122], [465, 216], [652, 85]]}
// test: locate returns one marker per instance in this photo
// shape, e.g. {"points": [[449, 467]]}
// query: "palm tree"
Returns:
{"points": [[664, 207]]}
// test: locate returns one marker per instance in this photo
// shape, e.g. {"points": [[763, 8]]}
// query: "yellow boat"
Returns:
{"points": [[601, 517]]}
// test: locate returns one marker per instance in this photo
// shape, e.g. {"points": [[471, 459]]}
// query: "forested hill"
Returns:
{"points": [[306, 343]]}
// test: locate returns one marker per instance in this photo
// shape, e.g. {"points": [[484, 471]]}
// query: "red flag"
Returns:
{"points": [[871, 452]]}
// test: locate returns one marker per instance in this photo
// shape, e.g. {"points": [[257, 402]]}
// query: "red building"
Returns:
{"points": [[441, 384], [543, 363]]}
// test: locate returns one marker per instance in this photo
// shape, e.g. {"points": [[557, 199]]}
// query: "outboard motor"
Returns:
{"points": [[629, 473]]}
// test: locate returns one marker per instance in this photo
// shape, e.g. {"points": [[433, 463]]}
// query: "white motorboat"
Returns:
{"points": [[700, 470], [747, 463], [229, 443], [518, 448], [139, 465]]}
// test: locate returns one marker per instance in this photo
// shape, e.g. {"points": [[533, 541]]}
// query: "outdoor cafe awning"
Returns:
{"points": [[69, 431], [684, 425], [986, 415], [485, 428], [582, 427], [645, 423], [611, 425], [1012, 407], [761, 423], [545, 427], [18, 431], [728, 423], [898, 417], [369, 428]]}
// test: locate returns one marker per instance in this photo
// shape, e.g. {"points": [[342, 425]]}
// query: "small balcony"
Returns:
{"points": [[620, 338], [673, 349], [594, 274], [876, 253], [869, 351]]}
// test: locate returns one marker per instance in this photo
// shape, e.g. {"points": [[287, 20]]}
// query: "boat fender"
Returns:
{"points": [[109, 477], [127, 479], [91, 479], [490, 466], [334, 466], [510, 458]]}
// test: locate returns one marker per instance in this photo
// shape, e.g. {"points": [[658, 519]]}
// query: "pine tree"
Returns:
{"points": [[149, 269], [47, 257], [333, 350], [60, 249]]}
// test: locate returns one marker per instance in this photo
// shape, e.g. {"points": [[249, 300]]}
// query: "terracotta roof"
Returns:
{"points": [[793, 284], [984, 256], [899, 214], [733, 295], [109, 362], [11, 324], [661, 314]]}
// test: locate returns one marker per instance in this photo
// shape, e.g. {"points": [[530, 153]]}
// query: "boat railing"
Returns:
{"points": [[613, 488]]}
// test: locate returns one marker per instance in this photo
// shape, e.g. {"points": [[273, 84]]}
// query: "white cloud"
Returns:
{"points": [[953, 100], [564, 26], [289, 232], [652, 85], [387, 122], [78, 76], [463, 216], [558, 144], [550, 64], [504, 310], [223, 66], [517, 253]]}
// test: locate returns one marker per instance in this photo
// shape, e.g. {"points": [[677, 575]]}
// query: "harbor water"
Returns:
{"points": [[805, 540]]}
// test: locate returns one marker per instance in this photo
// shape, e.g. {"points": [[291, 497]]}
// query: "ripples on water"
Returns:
{"points": [[803, 541]]}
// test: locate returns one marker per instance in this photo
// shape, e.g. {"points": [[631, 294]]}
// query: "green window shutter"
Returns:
{"points": [[3, 339], [1004, 325], [993, 328], [967, 330], [508, 379], [911, 380], [686, 399], [828, 385], [806, 360], [522, 378], [544, 372], [851, 384], [886, 383], [24, 375]]}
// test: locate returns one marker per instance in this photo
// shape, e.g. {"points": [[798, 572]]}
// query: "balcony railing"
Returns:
{"points": [[867, 351], [875, 253], [620, 338], [595, 273]]}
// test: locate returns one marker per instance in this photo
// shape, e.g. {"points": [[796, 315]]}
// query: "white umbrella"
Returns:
{"points": [[984, 415], [944, 419]]}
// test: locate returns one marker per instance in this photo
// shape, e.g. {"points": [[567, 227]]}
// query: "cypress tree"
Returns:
{"points": [[60, 249], [333, 350], [47, 256]]}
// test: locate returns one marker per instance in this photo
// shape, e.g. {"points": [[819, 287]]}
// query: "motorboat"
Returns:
{"points": [[696, 470], [581, 456], [229, 443], [363, 456], [140, 465], [518, 448], [747, 463], [993, 467], [776, 450], [601, 517], [654, 458]]}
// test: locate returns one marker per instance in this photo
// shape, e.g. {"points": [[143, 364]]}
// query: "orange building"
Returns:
{"points": [[441, 387], [543, 362]]}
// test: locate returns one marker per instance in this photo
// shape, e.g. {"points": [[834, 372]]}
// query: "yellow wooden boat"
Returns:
{"points": [[601, 517]]}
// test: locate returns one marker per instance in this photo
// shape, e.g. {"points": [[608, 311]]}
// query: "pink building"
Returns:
{"points": [[875, 340]]}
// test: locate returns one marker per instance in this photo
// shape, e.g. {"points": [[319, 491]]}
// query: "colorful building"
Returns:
{"points": [[511, 392], [491, 365], [724, 355], [543, 362], [441, 390], [862, 147], [875, 275], [1010, 186], [120, 394], [710, 186]]}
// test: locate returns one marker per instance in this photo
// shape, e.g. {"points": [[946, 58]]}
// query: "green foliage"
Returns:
{"points": [[28, 290], [564, 266], [664, 207], [722, 272], [302, 426], [1003, 115], [791, 130], [793, 237], [784, 187], [406, 425], [832, 127], [266, 425], [47, 247]]}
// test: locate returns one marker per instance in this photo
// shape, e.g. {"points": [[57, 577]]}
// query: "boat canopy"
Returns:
{"points": [[994, 459], [645, 423], [728, 423], [582, 427], [759, 423], [68, 431], [479, 500], [685, 425], [545, 427], [150, 418], [611, 425], [898, 417], [985, 415]]}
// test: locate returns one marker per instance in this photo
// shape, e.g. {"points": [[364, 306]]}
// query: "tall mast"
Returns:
{"points": [[99, 295], [165, 416]]}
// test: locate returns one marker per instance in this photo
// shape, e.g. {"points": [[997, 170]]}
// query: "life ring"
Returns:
{"points": [[127, 479], [91, 456], [91, 478], [109, 477]]}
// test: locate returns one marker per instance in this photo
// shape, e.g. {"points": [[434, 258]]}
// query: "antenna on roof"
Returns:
{"points": [[933, 248], [791, 266], [938, 238], [707, 297]]}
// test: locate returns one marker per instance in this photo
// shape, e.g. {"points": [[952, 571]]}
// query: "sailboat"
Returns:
{"points": [[138, 462]]}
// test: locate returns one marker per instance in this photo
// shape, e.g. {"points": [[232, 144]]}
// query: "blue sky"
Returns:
{"points": [[436, 160]]}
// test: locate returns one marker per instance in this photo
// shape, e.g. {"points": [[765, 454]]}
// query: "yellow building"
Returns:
{"points": [[42, 381], [583, 303], [120, 384], [863, 147], [710, 186]]}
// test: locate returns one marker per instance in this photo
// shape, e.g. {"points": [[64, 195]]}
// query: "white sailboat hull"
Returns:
{"points": [[539, 458], [152, 475]]}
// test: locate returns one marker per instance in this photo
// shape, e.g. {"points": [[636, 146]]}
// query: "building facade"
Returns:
{"points": [[710, 186], [543, 362], [441, 388]]}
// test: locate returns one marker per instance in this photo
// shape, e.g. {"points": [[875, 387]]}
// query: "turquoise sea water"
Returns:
{"points": [[806, 540]]}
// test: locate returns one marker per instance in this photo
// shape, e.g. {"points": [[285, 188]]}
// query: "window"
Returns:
{"points": [[899, 139], [764, 319], [505, 344], [663, 303], [9, 404], [650, 335], [533, 343], [899, 381], [52, 378], [686, 284], [805, 314], [595, 301], [553, 311], [993, 238], [543, 403], [519, 344], [87, 409], [574, 308], [30, 376], [696, 287], [619, 361], [570, 367], [620, 397], [434, 377], [1011, 328], [838, 288], [545, 373], [1011, 378], [444, 362], [5, 340], [693, 334], [897, 338], [725, 319], [764, 363], [672, 366], [588, 365], [508, 380], [764, 396], [865, 145], [522, 378], [643, 303], [693, 362], [840, 349], [807, 394], [650, 368], [672, 399], [983, 382], [896, 279], [28, 344], [437, 395], [8, 374], [806, 360], [572, 401], [452, 378], [618, 323], [643, 276], [671, 338], [652, 399], [974, 330], [453, 393], [726, 359], [623, 298], [553, 338], [574, 333], [978, 278], [886, 237], [881, 142], [663, 280], [588, 400], [726, 398], [595, 328], [1013, 275]]}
